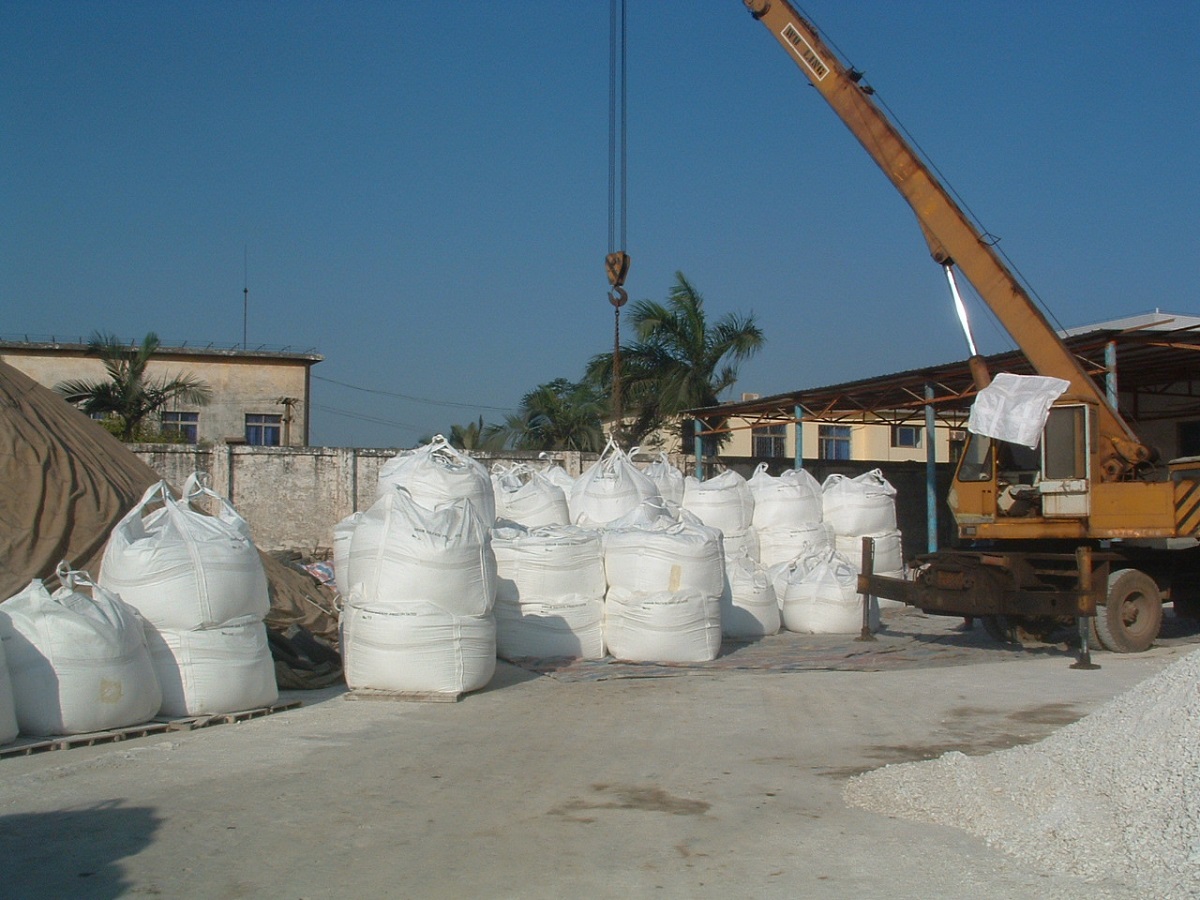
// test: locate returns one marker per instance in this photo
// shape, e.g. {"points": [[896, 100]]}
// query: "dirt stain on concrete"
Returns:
{"points": [[630, 797]]}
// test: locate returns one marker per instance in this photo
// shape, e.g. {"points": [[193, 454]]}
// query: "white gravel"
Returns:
{"points": [[1113, 797]]}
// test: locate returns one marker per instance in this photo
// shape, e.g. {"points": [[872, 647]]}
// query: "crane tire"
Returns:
{"points": [[1130, 618]]}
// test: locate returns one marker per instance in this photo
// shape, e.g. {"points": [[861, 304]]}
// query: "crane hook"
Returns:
{"points": [[617, 297]]}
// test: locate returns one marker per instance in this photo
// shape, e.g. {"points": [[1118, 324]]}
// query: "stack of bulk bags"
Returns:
{"points": [[860, 507], [610, 488], [435, 473], [199, 583], [667, 478], [77, 663], [723, 502], [665, 581], [787, 515], [818, 594], [419, 616], [528, 497], [549, 592]]}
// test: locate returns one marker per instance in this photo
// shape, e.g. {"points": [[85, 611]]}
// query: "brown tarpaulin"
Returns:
{"points": [[65, 482]]}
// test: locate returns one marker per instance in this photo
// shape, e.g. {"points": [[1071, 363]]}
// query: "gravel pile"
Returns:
{"points": [[1114, 796]]}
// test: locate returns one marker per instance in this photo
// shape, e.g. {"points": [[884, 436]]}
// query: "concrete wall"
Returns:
{"points": [[293, 496]]}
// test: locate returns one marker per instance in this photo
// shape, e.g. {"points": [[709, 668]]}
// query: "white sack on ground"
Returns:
{"points": [[343, 533], [818, 594], [723, 501], [77, 663], [403, 552], [1014, 408], [556, 474], [610, 488], [783, 544], [865, 504], [417, 647], [679, 626], [181, 568], [8, 711], [548, 563], [792, 500], [667, 557], [436, 473], [749, 608], [571, 626], [214, 670], [528, 497], [668, 479]]}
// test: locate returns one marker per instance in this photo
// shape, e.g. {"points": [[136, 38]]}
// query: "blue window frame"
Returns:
{"points": [[263, 429]]}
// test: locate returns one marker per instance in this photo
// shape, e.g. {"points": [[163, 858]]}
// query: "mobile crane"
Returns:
{"points": [[1091, 527]]}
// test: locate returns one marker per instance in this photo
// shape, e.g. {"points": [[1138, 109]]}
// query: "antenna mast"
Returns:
{"points": [[245, 294]]}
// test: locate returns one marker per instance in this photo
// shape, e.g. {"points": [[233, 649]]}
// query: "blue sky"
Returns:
{"points": [[418, 190]]}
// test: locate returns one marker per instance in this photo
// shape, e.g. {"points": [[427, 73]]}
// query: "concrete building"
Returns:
{"points": [[259, 397]]}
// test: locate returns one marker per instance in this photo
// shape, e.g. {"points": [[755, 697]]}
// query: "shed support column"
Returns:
{"points": [[931, 516], [698, 447], [799, 437], [1110, 377]]}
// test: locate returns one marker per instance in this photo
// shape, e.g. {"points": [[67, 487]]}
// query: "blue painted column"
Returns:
{"points": [[799, 411], [931, 516], [1110, 376], [698, 447]]}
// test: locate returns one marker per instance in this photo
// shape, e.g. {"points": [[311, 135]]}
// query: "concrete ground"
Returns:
{"points": [[704, 783]]}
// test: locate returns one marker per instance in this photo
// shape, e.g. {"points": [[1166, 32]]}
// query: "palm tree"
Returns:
{"points": [[679, 361], [129, 394], [476, 436], [557, 415]]}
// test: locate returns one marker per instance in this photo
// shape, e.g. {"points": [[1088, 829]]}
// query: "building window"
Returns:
{"points": [[769, 441], [906, 436], [184, 424], [1189, 439], [263, 430], [833, 441]]}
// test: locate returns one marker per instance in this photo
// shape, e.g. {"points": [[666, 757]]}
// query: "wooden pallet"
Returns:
{"points": [[29, 746], [406, 696]]}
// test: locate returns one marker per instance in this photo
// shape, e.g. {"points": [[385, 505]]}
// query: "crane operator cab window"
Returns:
{"points": [[1051, 480]]}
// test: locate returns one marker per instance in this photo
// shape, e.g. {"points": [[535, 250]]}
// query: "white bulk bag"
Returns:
{"points": [[792, 500], [741, 543], [666, 626], [556, 474], [210, 671], [77, 663], [667, 478], [611, 487], [749, 608], [343, 533], [181, 568], [820, 596], [723, 501], [547, 564], [865, 504], [1015, 407], [418, 647], [571, 626], [403, 552], [437, 472], [8, 711], [528, 497], [889, 552], [670, 556], [782, 544]]}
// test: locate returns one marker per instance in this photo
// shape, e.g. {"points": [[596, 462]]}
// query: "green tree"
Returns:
{"points": [[557, 415], [679, 361], [129, 394], [476, 436]]}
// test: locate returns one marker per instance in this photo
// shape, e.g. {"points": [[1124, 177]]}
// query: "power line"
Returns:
{"points": [[411, 398], [364, 418]]}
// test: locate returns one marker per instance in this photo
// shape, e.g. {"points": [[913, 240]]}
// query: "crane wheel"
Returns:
{"points": [[1130, 618]]}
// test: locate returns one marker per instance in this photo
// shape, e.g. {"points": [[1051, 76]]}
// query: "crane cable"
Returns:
{"points": [[616, 262]]}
